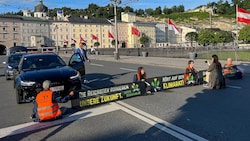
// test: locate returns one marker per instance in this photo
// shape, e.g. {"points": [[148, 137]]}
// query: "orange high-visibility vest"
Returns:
{"points": [[46, 109], [186, 75], [227, 69]]}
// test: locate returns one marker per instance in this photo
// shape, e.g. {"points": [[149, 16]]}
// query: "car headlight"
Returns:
{"points": [[27, 83], [75, 76], [9, 67]]}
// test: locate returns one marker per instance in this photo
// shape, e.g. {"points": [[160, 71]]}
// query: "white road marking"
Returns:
{"points": [[100, 65], [235, 87], [106, 108], [128, 69], [31, 126], [154, 121]]}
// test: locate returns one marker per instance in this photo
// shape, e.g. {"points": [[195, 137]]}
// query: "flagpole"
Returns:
{"points": [[237, 34], [116, 30], [168, 33]]}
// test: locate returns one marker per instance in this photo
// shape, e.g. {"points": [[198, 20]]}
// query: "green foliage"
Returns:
{"points": [[144, 39], [113, 42], [97, 44], [212, 36], [73, 45], [187, 15], [243, 55], [244, 34], [191, 36]]}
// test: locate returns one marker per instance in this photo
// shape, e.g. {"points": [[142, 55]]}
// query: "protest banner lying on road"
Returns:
{"points": [[86, 98]]}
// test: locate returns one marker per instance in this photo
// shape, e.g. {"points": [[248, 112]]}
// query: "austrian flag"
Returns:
{"points": [[172, 26], [94, 37], [243, 16], [135, 31], [111, 35]]}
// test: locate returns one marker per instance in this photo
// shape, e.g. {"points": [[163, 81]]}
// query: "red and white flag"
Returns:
{"points": [[94, 37], [172, 26], [65, 42], [73, 40], [111, 35], [243, 16], [135, 31], [82, 39]]}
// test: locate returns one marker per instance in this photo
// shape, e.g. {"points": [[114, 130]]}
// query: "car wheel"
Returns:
{"points": [[19, 94]]}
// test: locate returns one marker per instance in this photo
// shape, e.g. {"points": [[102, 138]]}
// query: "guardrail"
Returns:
{"points": [[87, 98]]}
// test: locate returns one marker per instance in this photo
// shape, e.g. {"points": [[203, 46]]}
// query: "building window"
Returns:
{"points": [[5, 36], [15, 36]]}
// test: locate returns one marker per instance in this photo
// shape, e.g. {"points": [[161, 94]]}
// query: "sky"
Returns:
{"points": [[17, 5]]}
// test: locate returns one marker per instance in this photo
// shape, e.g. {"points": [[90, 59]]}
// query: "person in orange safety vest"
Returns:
{"points": [[190, 73], [46, 105]]}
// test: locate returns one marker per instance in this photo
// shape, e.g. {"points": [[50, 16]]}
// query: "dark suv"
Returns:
{"points": [[33, 69]]}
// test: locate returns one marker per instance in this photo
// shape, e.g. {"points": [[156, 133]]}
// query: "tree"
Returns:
{"points": [[128, 9], [144, 39], [191, 36], [167, 10], [205, 36], [244, 34], [158, 11], [97, 44], [73, 45], [149, 11], [113, 42], [181, 8], [140, 12]]}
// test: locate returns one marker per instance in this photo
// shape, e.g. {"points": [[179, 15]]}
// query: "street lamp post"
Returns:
{"points": [[56, 28], [116, 53]]}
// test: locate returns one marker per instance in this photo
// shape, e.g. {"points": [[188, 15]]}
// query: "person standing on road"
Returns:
{"points": [[216, 78], [141, 76], [46, 105], [82, 52]]}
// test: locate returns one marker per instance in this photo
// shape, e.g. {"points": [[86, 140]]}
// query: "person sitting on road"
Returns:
{"points": [[46, 105], [231, 71], [190, 74], [141, 76]]}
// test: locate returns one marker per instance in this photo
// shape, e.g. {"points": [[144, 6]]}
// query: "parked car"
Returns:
{"points": [[33, 69], [11, 65]]}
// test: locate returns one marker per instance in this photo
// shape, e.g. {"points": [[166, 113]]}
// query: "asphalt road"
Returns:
{"points": [[187, 113]]}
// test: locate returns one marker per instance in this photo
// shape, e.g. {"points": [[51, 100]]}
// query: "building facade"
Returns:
{"points": [[10, 31]]}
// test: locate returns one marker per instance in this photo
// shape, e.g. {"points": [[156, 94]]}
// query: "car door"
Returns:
{"points": [[77, 63]]}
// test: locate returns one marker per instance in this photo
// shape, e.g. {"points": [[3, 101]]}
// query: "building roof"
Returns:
{"points": [[90, 21], [41, 7], [22, 18]]}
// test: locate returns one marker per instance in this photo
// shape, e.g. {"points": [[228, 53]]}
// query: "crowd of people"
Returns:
{"points": [[215, 74]]}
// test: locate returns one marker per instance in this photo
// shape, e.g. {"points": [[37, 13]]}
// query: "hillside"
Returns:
{"points": [[226, 24]]}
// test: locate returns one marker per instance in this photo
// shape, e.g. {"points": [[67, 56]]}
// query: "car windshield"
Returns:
{"points": [[14, 58], [42, 62]]}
